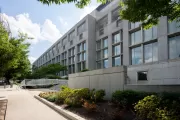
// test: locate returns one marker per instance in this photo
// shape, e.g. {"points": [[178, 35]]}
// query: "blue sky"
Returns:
{"points": [[44, 23]]}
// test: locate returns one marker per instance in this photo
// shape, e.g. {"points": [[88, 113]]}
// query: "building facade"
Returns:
{"points": [[102, 40]]}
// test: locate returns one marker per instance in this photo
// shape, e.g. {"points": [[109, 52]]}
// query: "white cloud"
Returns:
{"points": [[22, 22], [87, 10], [31, 59], [62, 21]]}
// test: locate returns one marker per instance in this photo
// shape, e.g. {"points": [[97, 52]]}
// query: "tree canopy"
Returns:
{"points": [[47, 71], [145, 11], [149, 11], [14, 60]]}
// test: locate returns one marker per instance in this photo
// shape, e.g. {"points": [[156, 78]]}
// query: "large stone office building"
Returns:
{"points": [[102, 40]]}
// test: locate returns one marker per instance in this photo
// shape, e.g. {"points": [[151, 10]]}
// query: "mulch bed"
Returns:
{"points": [[3, 107], [105, 111]]}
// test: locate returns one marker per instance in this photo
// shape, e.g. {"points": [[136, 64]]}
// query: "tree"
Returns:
{"points": [[145, 11], [78, 3], [20, 54], [48, 71], [149, 11], [7, 59]]}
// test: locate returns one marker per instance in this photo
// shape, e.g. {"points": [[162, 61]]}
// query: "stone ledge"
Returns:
{"points": [[60, 110]]}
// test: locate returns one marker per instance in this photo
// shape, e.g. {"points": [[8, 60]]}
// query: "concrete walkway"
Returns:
{"points": [[23, 106]]}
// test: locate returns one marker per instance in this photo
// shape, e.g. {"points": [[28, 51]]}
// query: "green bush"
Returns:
{"points": [[128, 98], [84, 70], [145, 108], [76, 97], [99, 95], [52, 98], [163, 106]]}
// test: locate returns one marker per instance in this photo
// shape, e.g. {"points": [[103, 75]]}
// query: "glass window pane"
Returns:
{"points": [[155, 51], [173, 26], [105, 63], [148, 53], [148, 34], [154, 32], [84, 46], [105, 43], [84, 65], [116, 38], [136, 55], [116, 61], [174, 47], [84, 56], [136, 37], [116, 50], [105, 53]]}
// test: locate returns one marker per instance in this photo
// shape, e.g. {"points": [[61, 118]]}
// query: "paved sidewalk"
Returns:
{"points": [[23, 106]]}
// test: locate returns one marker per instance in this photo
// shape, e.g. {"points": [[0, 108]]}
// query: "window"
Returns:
{"points": [[174, 47], [72, 35], [98, 55], [54, 51], [136, 55], [118, 23], [116, 38], [101, 31], [81, 28], [102, 22], [142, 75], [98, 43], [73, 68], [105, 63], [72, 50], [84, 46], [69, 60], [105, 43], [80, 36], [98, 64], [79, 47], [83, 65], [69, 69], [116, 50], [69, 53], [116, 61], [79, 57], [151, 52], [58, 46], [105, 53], [115, 14], [64, 47], [71, 42], [134, 25], [150, 34], [84, 56], [79, 67], [173, 26], [136, 37]]}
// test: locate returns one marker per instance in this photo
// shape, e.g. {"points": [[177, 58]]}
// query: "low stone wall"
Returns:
{"points": [[110, 79], [153, 88]]}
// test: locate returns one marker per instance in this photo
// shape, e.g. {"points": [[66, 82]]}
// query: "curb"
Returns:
{"points": [[59, 110], [3, 108]]}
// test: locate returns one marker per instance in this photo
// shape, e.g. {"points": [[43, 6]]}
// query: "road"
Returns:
{"points": [[23, 106]]}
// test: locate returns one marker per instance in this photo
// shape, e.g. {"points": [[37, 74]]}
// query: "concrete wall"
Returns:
{"points": [[110, 79], [160, 73]]}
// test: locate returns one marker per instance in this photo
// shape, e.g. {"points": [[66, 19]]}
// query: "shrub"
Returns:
{"points": [[84, 70], [145, 108], [89, 106], [128, 98], [52, 98], [77, 95], [99, 95]]}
